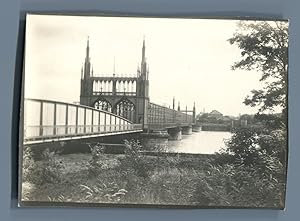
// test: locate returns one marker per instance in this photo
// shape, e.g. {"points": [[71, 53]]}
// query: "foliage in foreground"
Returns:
{"points": [[238, 186], [170, 180], [257, 161], [39, 172]]}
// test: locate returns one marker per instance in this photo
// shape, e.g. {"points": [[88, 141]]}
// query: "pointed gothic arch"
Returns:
{"points": [[103, 104], [125, 108]]}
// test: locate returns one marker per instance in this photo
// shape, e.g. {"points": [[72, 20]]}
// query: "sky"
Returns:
{"points": [[189, 59]]}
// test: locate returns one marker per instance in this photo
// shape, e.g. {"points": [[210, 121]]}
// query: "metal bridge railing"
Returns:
{"points": [[44, 119]]}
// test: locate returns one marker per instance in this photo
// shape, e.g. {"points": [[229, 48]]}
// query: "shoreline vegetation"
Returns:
{"points": [[216, 180]]}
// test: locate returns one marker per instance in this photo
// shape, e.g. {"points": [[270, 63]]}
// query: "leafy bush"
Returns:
{"points": [[274, 143], [244, 146], [253, 166], [134, 161], [261, 150], [95, 164], [47, 170]]}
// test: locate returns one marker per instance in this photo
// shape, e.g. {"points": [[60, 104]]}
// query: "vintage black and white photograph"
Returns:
{"points": [[152, 111]]}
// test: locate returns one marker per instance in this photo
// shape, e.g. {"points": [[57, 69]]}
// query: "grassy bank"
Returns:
{"points": [[135, 178]]}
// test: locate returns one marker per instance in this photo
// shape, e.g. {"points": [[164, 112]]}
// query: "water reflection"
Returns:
{"points": [[205, 142]]}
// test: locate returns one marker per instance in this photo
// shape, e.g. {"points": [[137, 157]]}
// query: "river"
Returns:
{"points": [[203, 142]]}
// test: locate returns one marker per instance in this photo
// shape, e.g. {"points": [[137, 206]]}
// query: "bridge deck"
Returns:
{"points": [[46, 121]]}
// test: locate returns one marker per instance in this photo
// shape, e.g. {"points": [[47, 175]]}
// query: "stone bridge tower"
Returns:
{"points": [[127, 96]]}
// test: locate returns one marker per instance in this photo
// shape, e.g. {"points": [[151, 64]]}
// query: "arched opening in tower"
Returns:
{"points": [[103, 104], [125, 108]]}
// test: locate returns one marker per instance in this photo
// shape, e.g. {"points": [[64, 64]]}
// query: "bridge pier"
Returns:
{"points": [[175, 133], [187, 130], [154, 141], [196, 128]]}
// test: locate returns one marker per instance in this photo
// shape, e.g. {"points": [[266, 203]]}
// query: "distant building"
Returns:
{"points": [[215, 114], [227, 118]]}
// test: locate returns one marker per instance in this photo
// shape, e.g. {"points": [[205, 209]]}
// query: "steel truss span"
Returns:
{"points": [[163, 117]]}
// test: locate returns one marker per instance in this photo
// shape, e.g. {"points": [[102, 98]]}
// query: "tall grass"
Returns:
{"points": [[223, 180]]}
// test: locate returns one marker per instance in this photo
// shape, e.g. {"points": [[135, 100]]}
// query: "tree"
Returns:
{"points": [[260, 153], [264, 47]]}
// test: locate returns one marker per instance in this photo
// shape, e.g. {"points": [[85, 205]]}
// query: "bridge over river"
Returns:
{"points": [[109, 106]]}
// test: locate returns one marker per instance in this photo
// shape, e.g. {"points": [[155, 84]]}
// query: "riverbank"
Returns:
{"points": [[145, 179], [82, 180]]}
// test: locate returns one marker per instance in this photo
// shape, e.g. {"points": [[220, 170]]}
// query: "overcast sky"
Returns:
{"points": [[189, 59]]}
